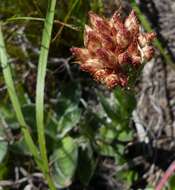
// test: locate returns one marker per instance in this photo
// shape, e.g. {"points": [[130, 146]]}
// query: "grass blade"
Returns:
{"points": [[65, 20], [14, 99], [46, 39], [12, 19]]}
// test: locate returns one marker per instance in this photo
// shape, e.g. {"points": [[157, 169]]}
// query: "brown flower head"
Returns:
{"points": [[112, 44]]}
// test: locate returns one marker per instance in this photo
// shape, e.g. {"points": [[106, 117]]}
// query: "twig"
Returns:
{"points": [[169, 172], [11, 183]]}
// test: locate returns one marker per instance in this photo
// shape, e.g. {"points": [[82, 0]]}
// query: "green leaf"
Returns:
{"points": [[125, 100], [128, 176], [106, 150], [64, 161], [70, 96], [90, 125], [3, 150], [86, 164], [4, 168], [51, 125], [8, 115], [110, 110], [107, 133], [3, 145], [67, 108], [124, 135], [51, 131], [20, 147], [68, 120], [29, 114]]}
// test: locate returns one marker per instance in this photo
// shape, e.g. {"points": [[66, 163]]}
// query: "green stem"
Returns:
{"points": [[42, 65], [14, 99], [148, 28]]}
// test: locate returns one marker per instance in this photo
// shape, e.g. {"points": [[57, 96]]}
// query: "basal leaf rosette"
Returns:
{"points": [[111, 45]]}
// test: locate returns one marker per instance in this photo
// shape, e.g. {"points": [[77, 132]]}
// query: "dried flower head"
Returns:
{"points": [[112, 44]]}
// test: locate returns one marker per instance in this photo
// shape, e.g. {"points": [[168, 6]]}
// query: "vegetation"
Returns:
{"points": [[57, 125]]}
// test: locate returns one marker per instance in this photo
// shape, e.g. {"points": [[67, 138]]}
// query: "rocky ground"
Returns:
{"points": [[154, 116]]}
